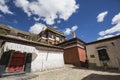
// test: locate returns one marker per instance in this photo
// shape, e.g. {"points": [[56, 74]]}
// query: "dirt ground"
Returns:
{"points": [[76, 74], [67, 73]]}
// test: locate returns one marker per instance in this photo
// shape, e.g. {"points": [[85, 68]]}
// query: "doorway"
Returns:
{"points": [[17, 62]]}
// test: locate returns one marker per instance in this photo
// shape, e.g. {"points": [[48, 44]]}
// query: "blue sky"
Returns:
{"points": [[90, 19]]}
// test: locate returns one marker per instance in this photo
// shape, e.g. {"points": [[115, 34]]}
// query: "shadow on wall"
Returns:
{"points": [[101, 77]]}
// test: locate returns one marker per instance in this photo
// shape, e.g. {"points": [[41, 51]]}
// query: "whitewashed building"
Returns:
{"points": [[23, 56]]}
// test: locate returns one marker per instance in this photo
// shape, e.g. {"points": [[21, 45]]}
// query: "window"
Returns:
{"points": [[50, 42], [52, 36], [44, 35], [57, 38], [92, 56], [103, 55], [21, 35]]}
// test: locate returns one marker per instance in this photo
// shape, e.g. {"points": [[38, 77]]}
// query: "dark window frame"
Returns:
{"points": [[103, 54]]}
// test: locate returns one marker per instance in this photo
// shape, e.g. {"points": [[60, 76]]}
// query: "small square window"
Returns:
{"points": [[103, 55], [92, 56]]}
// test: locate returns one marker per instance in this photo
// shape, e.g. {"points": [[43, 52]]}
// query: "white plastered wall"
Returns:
{"points": [[47, 60]]}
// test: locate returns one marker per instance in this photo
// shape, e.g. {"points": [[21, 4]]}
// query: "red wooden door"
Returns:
{"points": [[17, 62]]}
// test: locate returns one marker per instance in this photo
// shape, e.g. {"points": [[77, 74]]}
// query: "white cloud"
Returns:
{"points": [[116, 19], [74, 28], [108, 36], [113, 30], [36, 19], [24, 5], [4, 8], [69, 30], [55, 27], [10, 26], [48, 10], [103, 37], [58, 21], [101, 16], [118, 34], [37, 28]]}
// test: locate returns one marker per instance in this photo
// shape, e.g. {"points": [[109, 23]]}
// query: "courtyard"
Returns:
{"points": [[72, 73], [67, 73]]}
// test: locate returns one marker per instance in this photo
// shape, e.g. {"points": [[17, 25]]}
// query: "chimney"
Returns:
{"points": [[73, 34]]}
